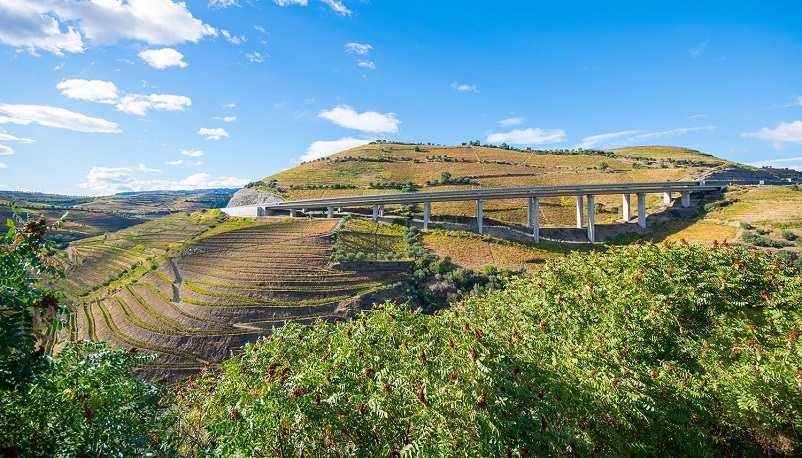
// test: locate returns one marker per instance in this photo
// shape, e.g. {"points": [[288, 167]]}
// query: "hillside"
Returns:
{"points": [[92, 216], [194, 288], [392, 167]]}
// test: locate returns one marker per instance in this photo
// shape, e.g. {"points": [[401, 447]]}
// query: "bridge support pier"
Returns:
{"points": [[627, 208], [381, 211], [479, 216], [535, 202], [591, 218], [339, 209], [686, 199], [375, 213], [529, 211], [579, 212], [330, 212], [642, 209], [427, 214], [292, 213], [667, 198]]}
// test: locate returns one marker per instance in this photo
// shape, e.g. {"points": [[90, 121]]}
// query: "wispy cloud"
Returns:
{"points": [[233, 39], [140, 104], [336, 5], [57, 117], [320, 149], [358, 48], [593, 140], [697, 50], [369, 121], [11, 138], [224, 118], [653, 135], [222, 3], [462, 87], [511, 122], [530, 136], [144, 169], [192, 153], [367, 64], [213, 134], [255, 57], [784, 133], [786, 162]]}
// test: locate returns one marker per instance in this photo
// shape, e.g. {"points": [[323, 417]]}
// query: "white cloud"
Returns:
{"points": [[369, 121], [367, 64], [8, 137], [25, 24], [260, 28], [511, 121], [163, 58], [233, 39], [697, 116], [91, 90], [326, 148], [528, 136], [593, 140], [653, 135], [6, 151], [786, 162], [40, 25], [175, 162], [464, 87], [338, 7], [229, 106], [222, 3], [255, 57], [107, 92], [111, 180], [224, 118], [59, 117], [144, 169], [7, 120], [213, 134], [191, 153], [139, 104], [2, 166], [784, 133], [358, 48], [58, 67]]}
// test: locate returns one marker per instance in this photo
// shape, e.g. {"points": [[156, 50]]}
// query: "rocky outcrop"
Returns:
{"points": [[248, 196]]}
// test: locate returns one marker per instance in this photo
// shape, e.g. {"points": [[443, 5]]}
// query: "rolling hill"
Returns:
{"points": [[391, 167], [192, 287]]}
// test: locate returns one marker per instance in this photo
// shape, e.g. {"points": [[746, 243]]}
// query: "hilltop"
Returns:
{"points": [[382, 167]]}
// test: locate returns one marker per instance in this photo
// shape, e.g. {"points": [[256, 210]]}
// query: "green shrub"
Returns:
{"points": [[641, 350], [788, 235], [747, 226]]}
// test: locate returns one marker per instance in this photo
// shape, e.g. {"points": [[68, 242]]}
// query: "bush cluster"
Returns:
{"points": [[648, 350]]}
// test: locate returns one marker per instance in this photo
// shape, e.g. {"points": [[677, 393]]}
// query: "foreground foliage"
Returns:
{"points": [[647, 350], [84, 401]]}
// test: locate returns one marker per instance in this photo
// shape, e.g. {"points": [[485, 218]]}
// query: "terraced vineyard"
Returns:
{"points": [[193, 291], [388, 167]]}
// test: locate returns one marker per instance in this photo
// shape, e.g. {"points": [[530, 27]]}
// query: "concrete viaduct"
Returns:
{"points": [[532, 194]]}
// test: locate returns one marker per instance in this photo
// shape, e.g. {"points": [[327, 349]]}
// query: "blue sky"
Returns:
{"points": [[102, 96]]}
